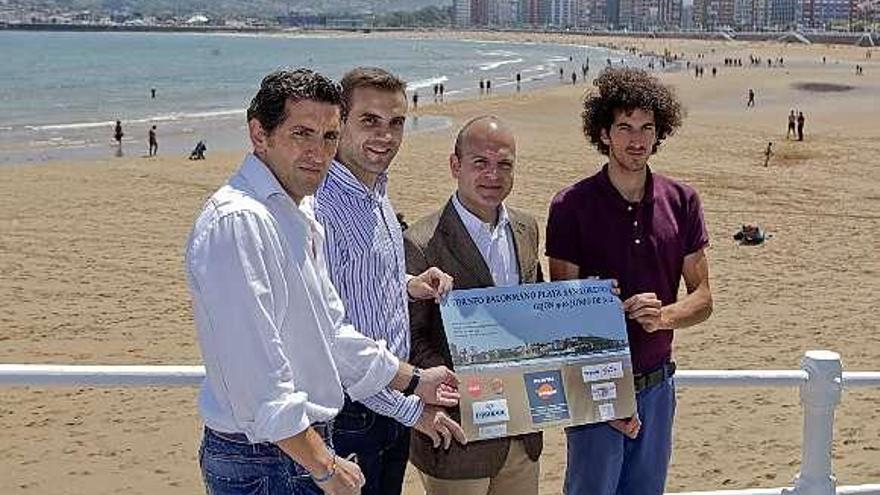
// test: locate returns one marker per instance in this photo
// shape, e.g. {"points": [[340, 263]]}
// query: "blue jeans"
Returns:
{"points": [[233, 466], [603, 461], [381, 445]]}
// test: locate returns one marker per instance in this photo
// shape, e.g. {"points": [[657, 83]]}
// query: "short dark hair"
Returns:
{"points": [[268, 105], [369, 77], [628, 89]]}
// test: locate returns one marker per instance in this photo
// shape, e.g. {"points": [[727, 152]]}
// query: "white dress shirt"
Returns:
{"points": [[494, 242], [270, 323]]}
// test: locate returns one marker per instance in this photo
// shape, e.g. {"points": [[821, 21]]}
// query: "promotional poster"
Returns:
{"points": [[539, 355]]}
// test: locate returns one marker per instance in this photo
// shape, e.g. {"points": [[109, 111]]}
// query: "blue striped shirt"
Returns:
{"points": [[365, 259]]}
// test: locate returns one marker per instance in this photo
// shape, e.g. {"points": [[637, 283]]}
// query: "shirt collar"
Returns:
{"points": [[608, 186], [266, 185], [341, 175], [260, 177], [474, 224]]}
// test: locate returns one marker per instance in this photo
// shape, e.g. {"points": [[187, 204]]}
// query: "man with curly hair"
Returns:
{"points": [[646, 231]]}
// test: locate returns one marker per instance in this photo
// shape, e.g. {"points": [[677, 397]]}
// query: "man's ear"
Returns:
{"points": [[259, 136], [604, 137], [454, 165]]}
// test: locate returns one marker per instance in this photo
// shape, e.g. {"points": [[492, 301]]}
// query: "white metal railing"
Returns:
{"points": [[821, 381]]}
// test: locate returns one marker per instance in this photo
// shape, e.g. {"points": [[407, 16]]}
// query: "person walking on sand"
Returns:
{"points": [[751, 102], [792, 119], [154, 144], [117, 133], [800, 126], [768, 153]]}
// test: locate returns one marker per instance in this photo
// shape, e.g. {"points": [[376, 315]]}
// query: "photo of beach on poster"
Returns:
{"points": [[534, 325]]}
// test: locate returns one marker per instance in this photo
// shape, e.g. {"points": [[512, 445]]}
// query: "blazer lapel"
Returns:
{"points": [[522, 247], [463, 247]]}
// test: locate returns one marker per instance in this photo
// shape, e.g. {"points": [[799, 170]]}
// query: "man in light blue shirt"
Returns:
{"points": [[277, 349], [366, 262]]}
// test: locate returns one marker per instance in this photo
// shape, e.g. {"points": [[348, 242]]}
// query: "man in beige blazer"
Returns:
{"points": [[480, 243]]}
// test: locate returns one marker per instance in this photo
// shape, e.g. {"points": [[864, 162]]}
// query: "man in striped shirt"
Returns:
{"points": [[365, 258]]}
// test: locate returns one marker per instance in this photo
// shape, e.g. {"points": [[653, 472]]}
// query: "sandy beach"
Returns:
{"points": [[91, 263]]}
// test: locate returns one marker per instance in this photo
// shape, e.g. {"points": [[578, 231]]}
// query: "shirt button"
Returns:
{"points": [[635, 223], [629, 208], [638, 241]]}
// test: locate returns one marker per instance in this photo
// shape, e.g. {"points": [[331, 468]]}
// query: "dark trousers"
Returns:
{"points": [[381, 445]]}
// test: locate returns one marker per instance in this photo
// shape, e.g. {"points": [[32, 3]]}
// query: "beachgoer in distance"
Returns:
{"points": [[800, 125], [117, 133], [198, 153], [154, 143]]}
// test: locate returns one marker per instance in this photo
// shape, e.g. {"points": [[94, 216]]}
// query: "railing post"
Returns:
{"points": [[820, 395]]}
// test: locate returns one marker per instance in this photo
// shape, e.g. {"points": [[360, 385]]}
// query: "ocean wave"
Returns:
{"points": [[495, 65], [497, 53], [426, 83], [171, 117]]}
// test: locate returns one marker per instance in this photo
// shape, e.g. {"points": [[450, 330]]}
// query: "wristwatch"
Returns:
{"points": [[413, 382]]}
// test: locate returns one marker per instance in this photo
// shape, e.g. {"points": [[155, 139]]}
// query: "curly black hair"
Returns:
{"points": [[628, 89], [268, 105]]}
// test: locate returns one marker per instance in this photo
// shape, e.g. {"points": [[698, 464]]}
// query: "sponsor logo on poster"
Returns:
{"points": [[491, 411], [604, 391], [546, 391], [606, 411], [547, 401], [602, 372], [493, 431], [474, 388], [497, 385]]}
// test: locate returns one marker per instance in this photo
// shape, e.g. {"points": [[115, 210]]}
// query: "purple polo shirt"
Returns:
{"points": [[642, 245]]}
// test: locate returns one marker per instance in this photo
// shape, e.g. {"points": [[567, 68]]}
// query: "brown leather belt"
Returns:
{"points": [[654, 377]]}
